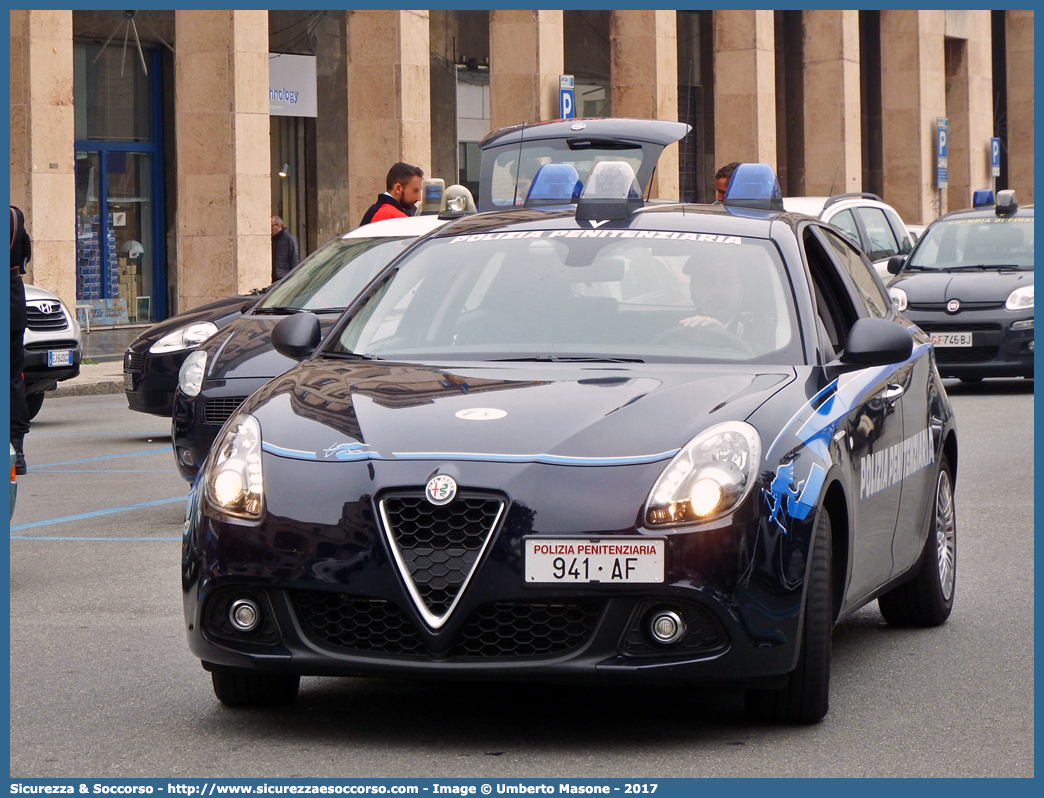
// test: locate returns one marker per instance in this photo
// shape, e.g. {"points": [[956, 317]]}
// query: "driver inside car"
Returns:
{"points": [[718, 294]]}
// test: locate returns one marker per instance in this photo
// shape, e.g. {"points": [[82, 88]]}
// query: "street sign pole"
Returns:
{"points": [[566, 107], [994, 164], [941, 145]]}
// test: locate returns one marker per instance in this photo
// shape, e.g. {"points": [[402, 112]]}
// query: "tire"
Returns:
{"points": [[927, 599], [34, 401], [806, 696], [240, 688]]}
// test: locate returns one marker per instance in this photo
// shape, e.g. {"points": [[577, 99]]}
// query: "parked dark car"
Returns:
{"points": [[611, 443], [969, 284], [153, 360]]}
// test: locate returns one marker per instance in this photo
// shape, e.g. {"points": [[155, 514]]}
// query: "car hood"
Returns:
{"points": [[243, 349], [559, 414], [220, 312], [968, 286], [33, 293]]}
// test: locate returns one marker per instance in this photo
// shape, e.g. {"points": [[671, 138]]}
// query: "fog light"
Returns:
{"points": [[185, 456], [667, 627], [245, 615]]}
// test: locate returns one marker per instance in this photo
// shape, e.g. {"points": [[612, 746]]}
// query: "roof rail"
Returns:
{"points": [[860, 194]]}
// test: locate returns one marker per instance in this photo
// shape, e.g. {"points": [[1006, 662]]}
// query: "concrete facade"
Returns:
{"points": [[389, 107], [387, 90], [644, 79], [1019, 36], [222, 129], [833, 145], [744, 87], [42, 144], [525, 61]]}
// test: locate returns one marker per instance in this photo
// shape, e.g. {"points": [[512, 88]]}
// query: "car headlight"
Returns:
{"points": [[710, 476], [190, 378], [898, 296], [1020, 298], [234, 482], [184, 337]]}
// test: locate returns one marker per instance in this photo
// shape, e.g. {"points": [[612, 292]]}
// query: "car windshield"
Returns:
{"points": [[989, 242], [509, 184], [330, 278], [554, 295]]}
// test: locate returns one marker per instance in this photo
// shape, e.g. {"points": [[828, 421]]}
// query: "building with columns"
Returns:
{"points": [[149, 148]]}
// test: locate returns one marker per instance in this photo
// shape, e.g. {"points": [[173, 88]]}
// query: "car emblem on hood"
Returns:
{"points": [[953, 306], [45, 307], [578, 126], [440, 490]]}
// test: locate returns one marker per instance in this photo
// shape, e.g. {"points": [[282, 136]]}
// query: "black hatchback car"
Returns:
{"points": [[969, 284], [610, 443]]}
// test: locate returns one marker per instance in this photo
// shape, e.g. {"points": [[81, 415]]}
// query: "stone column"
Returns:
{"points": [[389, 107], [833, 140], [969, 104], [913, 95], [222, 148], [1018, 27], [744, 87], [644, 80], [43, 182], [331, 145], [525, 61]]}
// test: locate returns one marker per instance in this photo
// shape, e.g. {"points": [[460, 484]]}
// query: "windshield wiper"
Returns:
{"points": [[984, 267], [350, 355], [273, 310], [566, 359]]}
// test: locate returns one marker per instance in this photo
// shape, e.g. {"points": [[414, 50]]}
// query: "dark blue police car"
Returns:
{"points": [[602, 441]]}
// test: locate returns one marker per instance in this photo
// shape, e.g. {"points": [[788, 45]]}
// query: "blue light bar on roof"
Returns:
{"points": [[754, 185], [554, 184], [982, 197]]}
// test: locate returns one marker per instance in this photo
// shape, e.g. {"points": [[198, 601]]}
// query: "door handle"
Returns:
{"points": [[892, 392]]}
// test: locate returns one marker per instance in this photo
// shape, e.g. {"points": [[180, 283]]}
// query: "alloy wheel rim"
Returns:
{"points": [[945, 535]]}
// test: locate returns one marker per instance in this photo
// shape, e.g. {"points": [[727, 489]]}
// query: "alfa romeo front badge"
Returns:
{"points": [[440, 490]]}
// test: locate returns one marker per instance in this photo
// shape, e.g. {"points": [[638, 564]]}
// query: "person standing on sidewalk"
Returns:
{"points": [[404, 184], [285, 252], [21, 252]]}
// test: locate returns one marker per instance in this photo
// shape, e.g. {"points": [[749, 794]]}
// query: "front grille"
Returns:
{"points": [[136, 401], [527, 629], [39, 321], [358, 624], [965, 354], [440, 545], [942, 326], [133, 361], [940, 307], [217, 411], [46, 346]]}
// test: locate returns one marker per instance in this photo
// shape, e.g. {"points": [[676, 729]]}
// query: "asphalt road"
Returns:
{"points": [[103, 685]]}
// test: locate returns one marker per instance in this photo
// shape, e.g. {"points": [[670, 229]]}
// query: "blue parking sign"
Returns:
{"points": [[565, 104], [995, 157], [940, 151]]}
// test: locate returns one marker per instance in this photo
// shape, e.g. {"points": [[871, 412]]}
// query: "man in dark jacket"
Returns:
{"points": [[285, 253], [404, 183], [21, 251]]}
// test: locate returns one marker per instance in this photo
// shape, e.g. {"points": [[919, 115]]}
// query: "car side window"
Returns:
{"points": [[881, 242], [868, 288], [834, 305], [900, 232], [846, 223]]}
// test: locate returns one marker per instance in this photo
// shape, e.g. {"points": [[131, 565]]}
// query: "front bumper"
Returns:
{"points": [[334, 602], [39, 376], [150, 380], [1002, 344]]}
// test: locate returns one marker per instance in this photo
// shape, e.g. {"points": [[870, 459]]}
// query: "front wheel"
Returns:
{"points": [[242, 688], [34, 401], [927, 599], [806, 696]]}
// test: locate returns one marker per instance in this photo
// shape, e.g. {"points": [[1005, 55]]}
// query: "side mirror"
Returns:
{"points": [[896, 263], [297, 336], [877, 342]]}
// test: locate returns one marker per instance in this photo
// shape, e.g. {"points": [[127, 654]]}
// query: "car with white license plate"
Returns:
{"points": [[53, 345], [602, 442], [969, 285]]}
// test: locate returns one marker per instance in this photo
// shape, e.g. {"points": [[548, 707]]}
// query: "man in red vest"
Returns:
{"points": [[404, 192]]}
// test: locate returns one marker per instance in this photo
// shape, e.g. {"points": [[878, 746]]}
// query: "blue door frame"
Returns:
{"points": [[155, 149]]}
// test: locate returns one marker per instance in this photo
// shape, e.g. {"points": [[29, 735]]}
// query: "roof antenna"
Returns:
{"points": [[518, 164]]}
